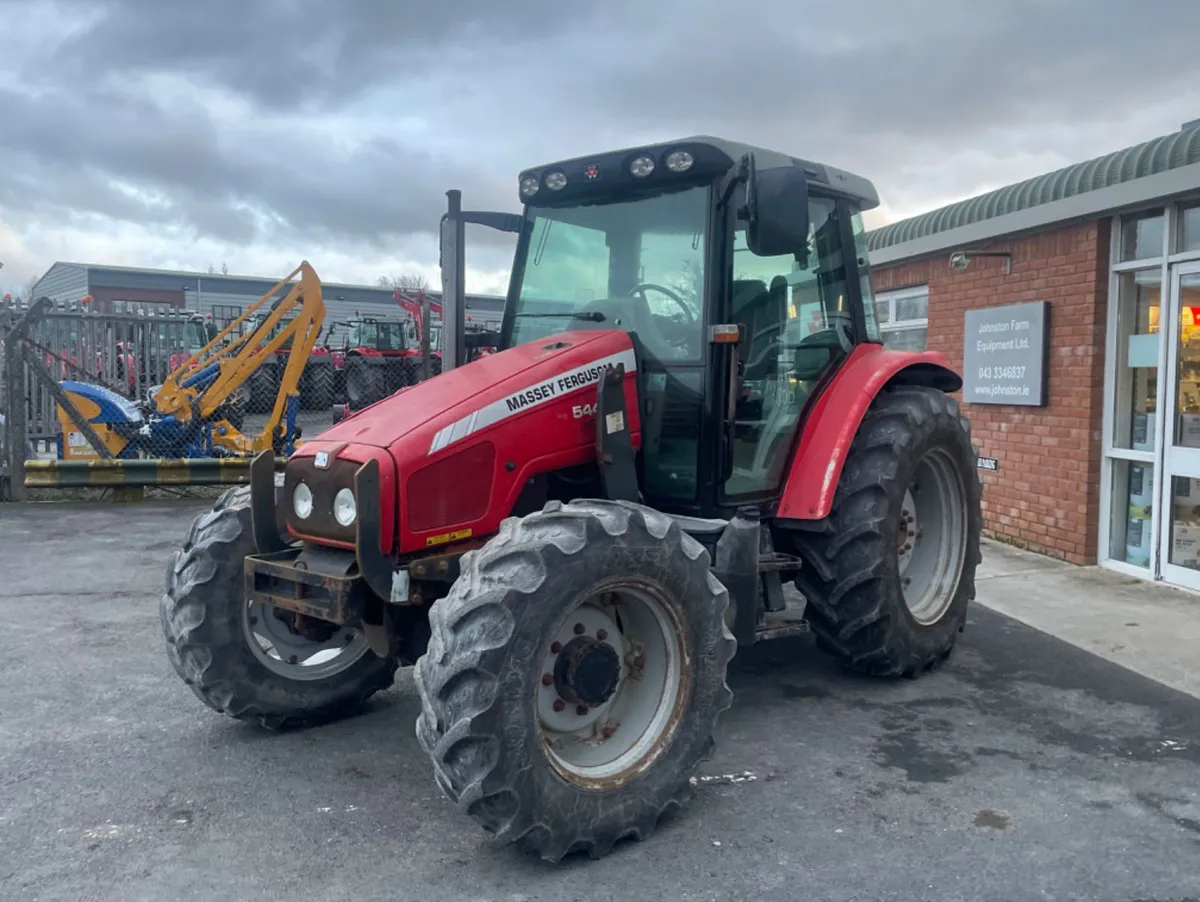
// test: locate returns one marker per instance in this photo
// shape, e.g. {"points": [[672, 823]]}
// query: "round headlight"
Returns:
{"points": [[556, 181], [641, 167], [529, 186], [344, 508], [679, 161], [302, 501]]}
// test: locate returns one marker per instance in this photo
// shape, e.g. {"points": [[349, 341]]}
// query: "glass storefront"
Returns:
{"points": [[1151, 482]]}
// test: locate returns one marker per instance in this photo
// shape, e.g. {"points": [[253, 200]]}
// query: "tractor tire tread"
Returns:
{"points": [[476, 635], [854, 613], [205, 644]]}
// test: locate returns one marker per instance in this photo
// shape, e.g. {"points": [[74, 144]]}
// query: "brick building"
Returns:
{"points": [[1104, 244]]}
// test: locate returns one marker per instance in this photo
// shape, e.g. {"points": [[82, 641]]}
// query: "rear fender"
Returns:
{"points": [[836, 415]]}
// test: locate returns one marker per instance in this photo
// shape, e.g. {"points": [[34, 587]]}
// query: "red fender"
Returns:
{"points": [[836, 414]]}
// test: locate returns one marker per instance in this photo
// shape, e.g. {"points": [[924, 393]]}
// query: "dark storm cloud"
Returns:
{"points": [[70, 149], [295, 53], [886, 88]]}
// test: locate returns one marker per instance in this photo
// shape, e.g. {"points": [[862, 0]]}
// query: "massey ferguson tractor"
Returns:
{"points": [[690, 410]]}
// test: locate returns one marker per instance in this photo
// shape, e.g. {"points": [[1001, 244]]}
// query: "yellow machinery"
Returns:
{"points": [[190, 414]]}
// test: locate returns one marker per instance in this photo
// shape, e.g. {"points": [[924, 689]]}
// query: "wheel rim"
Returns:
{"points": [[932, 539], [611, 687], [327, 650]]}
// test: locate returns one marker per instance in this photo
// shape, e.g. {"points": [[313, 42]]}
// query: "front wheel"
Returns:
{"points": [[575, 675], [893, 568], [253, 661]]}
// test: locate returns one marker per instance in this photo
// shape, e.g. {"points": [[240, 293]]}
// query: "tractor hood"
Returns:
{"points": [[473, 396], [455, 451]]}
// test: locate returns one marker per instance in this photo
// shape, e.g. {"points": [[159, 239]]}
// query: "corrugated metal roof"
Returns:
{"points": [[1158, 155]]}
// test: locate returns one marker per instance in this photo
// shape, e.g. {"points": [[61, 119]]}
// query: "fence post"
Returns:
{"points": [[5, 407], [15, 426]]}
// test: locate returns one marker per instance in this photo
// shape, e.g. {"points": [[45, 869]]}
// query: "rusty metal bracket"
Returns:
{"points": [[283, 581]]}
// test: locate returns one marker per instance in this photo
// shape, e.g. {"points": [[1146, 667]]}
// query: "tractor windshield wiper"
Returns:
{"points": [[594, 316]]}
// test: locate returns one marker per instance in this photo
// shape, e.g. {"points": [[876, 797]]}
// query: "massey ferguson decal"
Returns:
{"points": [[539, 393]]}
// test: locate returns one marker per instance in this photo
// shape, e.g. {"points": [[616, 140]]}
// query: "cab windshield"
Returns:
{"points": [[380, 336], [637, 265], [195, 337]]}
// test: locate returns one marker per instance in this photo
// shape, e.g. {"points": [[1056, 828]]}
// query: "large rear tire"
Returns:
{"points": [[892, 570], [364, 383], [243, 659], [264, 389], [574, 676], [316, 387]]}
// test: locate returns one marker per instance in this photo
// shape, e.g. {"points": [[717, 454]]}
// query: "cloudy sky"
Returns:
{"points": [[263, 132]]}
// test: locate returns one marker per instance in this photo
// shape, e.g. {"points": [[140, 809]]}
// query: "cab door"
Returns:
{"points": [[799, 322]]}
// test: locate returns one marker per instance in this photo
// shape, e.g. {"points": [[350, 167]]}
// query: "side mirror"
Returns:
{"points": [[776, 210]]}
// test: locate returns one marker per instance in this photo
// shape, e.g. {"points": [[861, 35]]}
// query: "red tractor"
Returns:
{"points": [[381, 356], [570, 538], [378, 357]]}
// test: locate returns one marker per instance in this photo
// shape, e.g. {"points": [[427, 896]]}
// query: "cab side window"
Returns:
{"points": [[796, 326]]}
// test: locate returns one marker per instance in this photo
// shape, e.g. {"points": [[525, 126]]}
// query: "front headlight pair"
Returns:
{"points": [[344, 507]]}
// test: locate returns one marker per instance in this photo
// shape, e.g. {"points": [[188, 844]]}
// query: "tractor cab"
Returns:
{"points": [[385, 336], [675, 245]]}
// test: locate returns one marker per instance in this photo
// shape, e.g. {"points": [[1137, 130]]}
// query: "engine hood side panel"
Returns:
{"points": [[535, 403], [540, 418]]}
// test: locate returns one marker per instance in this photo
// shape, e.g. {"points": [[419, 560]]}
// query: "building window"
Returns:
{"points": [[1142, 235], [903, 318], [1189, 228]]}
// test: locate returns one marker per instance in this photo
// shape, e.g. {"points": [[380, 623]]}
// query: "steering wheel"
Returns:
{"points": [[643, 286]]}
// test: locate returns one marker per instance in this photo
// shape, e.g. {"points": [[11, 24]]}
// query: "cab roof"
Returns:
{"points": [[713, 156]]}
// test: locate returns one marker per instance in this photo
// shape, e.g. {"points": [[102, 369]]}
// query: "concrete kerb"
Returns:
{"points": [[1148, 627]]}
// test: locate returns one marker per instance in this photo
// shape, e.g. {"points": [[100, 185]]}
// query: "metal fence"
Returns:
{"points": [[86, 389]]}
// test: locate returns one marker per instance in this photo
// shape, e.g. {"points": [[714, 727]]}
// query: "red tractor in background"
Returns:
{"points": [[569, 539], [380, 356]]}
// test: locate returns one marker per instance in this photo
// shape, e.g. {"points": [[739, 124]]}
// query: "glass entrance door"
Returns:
{"points": [[1179, 518]]}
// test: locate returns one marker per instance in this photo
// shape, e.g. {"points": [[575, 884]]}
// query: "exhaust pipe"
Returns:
{"points": [[452, 257]]}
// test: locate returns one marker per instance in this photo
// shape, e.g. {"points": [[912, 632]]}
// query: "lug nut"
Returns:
{"points": [[579, 629], [555, 647], [293, 659], [547, 679], [601, 635], [253, 621], [607, 732], [559, 704], [581, 710]]}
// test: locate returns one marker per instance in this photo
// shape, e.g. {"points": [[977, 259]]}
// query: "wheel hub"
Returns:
{"points": [[933, 547], [587, 671]]}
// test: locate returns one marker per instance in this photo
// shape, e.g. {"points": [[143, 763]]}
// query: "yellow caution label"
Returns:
{"points": [[445, 537]]}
